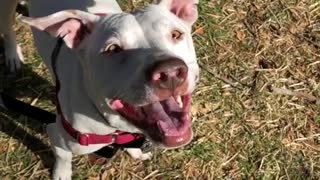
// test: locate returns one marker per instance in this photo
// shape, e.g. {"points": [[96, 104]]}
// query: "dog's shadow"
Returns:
{"points": [[29, 87], [19, 127], [9, 125]]}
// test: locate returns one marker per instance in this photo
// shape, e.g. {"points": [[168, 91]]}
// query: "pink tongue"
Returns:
{"points": [[171, 120], [170, 105], [167, 114]]}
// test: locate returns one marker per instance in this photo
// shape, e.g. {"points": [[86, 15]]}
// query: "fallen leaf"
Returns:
{"points": [[240, 35], [199, 30]]}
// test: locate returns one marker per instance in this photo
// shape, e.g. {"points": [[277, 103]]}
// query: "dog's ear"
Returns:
{"points": [[71, 25], [184, 9]]}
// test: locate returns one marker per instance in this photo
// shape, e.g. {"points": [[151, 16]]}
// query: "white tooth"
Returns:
{"points": [[179, 101]]}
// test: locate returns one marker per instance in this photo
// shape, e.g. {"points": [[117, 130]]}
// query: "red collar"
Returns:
{"points": [[85, 139]]}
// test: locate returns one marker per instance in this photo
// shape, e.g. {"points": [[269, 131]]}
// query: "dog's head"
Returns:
{"points": [[140, 66]]}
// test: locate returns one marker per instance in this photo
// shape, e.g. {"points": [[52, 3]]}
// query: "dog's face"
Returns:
{"points": [[141, 65]]}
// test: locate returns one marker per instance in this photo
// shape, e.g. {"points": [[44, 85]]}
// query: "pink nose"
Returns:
{"points": [[169, 74]]}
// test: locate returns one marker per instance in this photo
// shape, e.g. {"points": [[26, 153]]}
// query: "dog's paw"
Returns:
{"points": [[62, 168], [146, 156], [61, 174], [13, 58], [137, 153]]}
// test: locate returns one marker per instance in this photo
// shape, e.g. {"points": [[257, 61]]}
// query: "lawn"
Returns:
{"points": [[255, 111]]}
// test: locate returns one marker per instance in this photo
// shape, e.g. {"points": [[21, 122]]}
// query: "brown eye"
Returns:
{"points": [[176, 35], [112, 48]]}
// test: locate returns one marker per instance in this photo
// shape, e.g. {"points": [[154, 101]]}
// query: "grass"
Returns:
{"points": [[252, 113]]}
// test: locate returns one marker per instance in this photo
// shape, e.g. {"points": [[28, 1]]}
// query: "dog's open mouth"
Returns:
{"points": [[166, 122]]}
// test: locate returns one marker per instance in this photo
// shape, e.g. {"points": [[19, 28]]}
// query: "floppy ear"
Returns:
{"points": [[71, 25], [186, 10]]}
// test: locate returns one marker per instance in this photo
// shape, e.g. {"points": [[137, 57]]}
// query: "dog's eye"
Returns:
{"points": [[112, 48], [176, 35]]}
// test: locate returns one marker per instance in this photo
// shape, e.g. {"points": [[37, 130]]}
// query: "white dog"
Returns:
{"points": [[118, 72]]}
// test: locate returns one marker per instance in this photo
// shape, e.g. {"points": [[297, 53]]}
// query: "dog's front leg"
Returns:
{"points": [[62, 169]]}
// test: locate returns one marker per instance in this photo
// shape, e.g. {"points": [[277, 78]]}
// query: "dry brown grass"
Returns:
{"points": [[249, 122]]}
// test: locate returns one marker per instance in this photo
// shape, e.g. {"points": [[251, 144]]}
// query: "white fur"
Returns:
{"points": [[89, 79], [136, 153]]}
